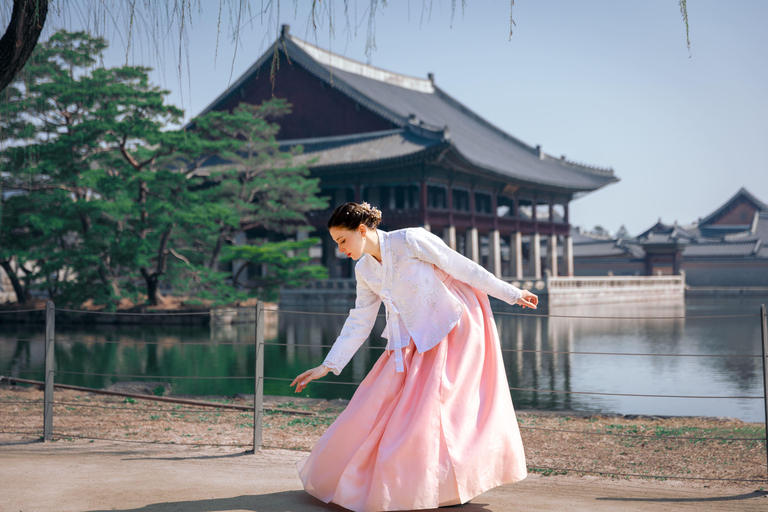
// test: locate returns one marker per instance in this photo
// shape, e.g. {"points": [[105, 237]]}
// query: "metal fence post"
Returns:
{"points": [[764, 330], [258, 395], [50, 321]]}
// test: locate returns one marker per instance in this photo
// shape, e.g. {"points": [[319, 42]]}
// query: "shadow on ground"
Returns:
{"points": [[275, 502]]}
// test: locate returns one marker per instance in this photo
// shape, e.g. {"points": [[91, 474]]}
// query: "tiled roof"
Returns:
{"points": [[404, 100], [743, 192], [478, 141], [761, 229], [598, 249], [722, 249], [362, 148]]}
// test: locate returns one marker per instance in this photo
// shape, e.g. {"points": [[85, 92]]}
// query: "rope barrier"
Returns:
{"points": [[667, 477], [144, 409], [618, 434], [551, 351], [628, 394], [182, 344], [60, 436], [317, 381], [60, 372], [555, 391], [528, 315], [323, 313], [153, 313], [626, 353]]}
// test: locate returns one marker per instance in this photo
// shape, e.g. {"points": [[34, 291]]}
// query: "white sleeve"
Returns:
{"points": [[356, 328], [430, 248]]}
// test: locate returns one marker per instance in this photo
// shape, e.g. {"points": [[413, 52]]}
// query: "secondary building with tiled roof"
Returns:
{"points": [[728, 247], [425, 159]]}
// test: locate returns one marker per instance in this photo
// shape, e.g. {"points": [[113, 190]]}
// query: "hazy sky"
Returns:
{"points": [[607, 83]]}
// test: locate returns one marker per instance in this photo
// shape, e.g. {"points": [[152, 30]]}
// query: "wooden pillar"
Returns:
{"points": [[516, 253], [424, 198], [552, 252], [449, 236], [358, 194], [473, 243], [449, 233], [535, 252], [494, 252], [552, 217], [568, 253]]}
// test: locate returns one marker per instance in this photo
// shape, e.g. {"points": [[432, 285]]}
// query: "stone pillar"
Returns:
{"points": [[494, 252], [449, 237], [552, 254], [568, 253], [473, 245], [427, 227], [535, 252], [516, 255]]}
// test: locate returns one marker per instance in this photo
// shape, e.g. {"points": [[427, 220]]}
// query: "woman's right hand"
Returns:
{"points": [[315, 373], [527, 300]]}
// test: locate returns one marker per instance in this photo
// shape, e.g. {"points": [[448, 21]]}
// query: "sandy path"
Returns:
{"points": [[93, 476]]}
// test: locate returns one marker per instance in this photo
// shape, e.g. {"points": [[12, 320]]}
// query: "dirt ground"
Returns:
{"points": [[113, 453], [86, 476]]}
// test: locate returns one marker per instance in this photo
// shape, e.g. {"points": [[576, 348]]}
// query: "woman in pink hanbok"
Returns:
{"points": [[432, 424]]}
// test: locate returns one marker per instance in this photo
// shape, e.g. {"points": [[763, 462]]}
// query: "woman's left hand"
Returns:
{"points": [[527, 300], [315, 373]]}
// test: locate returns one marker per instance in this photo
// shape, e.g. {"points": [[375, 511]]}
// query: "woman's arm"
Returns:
{"points": [[430, 248], [356, 329]]}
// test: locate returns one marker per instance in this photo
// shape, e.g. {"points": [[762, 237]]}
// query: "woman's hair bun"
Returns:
{"points": [[351, 215]]}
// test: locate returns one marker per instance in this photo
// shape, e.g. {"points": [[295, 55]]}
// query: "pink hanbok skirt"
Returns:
{"points": [[440, 433]]}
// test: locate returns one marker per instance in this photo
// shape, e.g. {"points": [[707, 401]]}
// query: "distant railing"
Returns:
{"points": [[613, 282]]}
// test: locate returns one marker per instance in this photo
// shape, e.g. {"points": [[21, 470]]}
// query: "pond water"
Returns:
{"points": [[219, 360]]}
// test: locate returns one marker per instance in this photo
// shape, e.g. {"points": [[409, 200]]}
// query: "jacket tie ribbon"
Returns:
{"points": [[393, 329]]}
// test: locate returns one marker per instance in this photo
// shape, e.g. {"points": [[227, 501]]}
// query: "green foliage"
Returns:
{"points": [[109, 202], [285, 264]]}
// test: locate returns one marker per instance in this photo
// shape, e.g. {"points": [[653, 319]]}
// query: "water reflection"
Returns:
{"points": [[532, 350]]}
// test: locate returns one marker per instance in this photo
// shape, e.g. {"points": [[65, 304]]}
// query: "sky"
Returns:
{"points": [[607, 83]]}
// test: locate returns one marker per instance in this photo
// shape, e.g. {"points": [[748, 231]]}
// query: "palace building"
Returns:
{"points": [[422, 157], [727, 248]]}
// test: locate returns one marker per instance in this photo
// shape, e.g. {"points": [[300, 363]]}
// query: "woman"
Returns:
{"points": [[432, 424]]}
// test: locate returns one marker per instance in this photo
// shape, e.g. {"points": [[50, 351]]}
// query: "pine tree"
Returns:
{"points": [[111, 201]]}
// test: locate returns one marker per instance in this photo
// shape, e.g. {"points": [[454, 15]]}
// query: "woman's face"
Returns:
{"points": [[350, 242]]}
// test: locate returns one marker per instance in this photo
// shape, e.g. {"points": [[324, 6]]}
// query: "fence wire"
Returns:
{"points": [[146, 409], [179, 410], [529, 315]]}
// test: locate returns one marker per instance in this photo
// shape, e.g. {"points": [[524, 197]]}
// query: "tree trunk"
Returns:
{"points": [[21, 292], [153, 278], [224, 232], [20, 38]]}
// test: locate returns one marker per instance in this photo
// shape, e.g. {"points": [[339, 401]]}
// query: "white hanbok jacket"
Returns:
{"points": [[418, 305]]}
